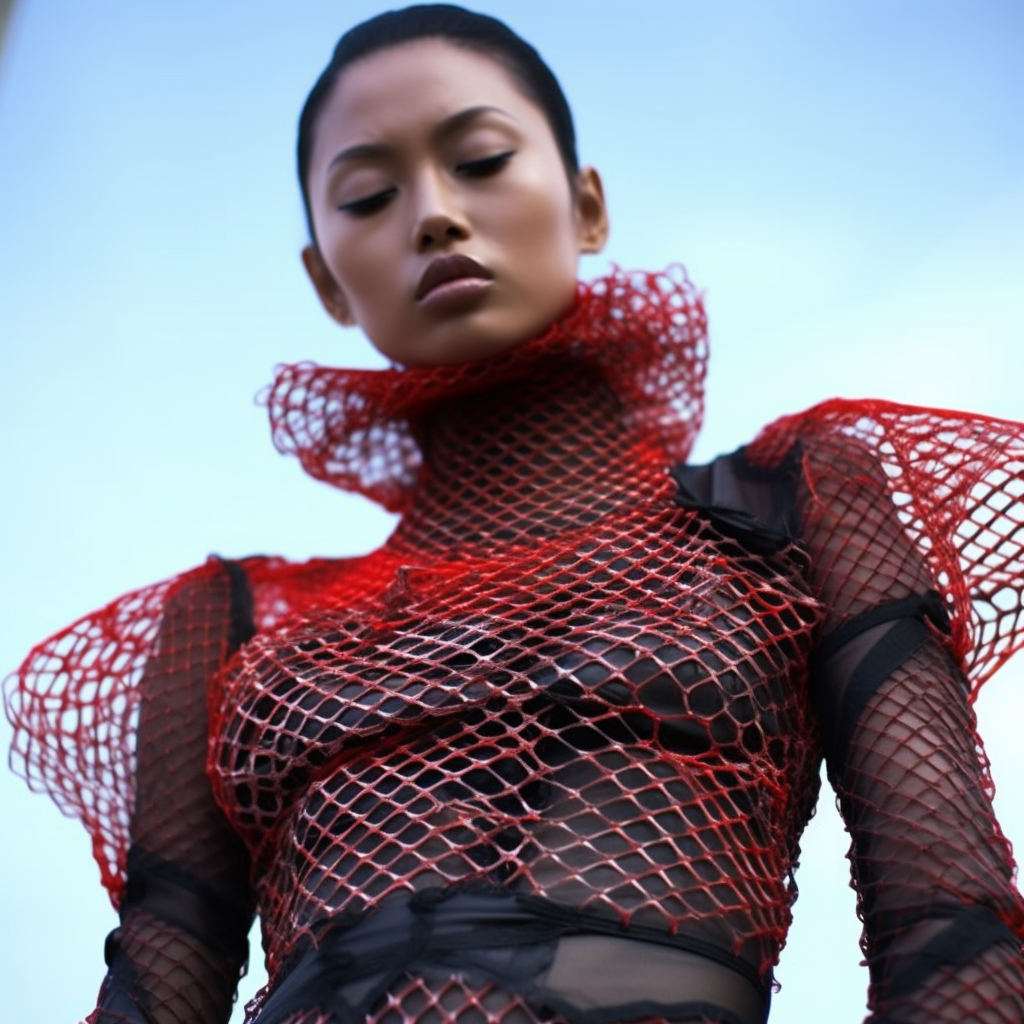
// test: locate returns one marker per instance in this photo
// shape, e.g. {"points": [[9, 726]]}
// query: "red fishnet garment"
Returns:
{"points": [[914, 786], [586, 700], [555, 679]]}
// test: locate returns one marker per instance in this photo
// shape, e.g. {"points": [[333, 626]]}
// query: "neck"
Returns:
{"points": [[520, 461]]}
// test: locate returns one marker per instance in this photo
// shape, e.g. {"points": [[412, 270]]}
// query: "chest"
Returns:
{"points": [[662, 626]]}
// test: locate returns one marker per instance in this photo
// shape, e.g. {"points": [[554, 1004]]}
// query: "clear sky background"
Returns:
{"points": [[845, 179]]}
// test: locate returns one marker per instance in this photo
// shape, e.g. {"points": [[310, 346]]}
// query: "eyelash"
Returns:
{"points": [[487, 166], [368, 205], [484, 168]]}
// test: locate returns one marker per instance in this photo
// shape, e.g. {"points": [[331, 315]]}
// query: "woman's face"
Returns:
{"points": [[445, 224]]}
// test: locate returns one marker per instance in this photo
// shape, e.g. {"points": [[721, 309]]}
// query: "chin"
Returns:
{"points": [[470, 352], [469, 344]]}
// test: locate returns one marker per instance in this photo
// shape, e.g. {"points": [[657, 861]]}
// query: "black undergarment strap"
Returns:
{"points": [[928, 606], [569, 921], [477, 931], [117, 1000], [180, 898], [752, 504], [242, 623], [971, 931], [840, 714]]}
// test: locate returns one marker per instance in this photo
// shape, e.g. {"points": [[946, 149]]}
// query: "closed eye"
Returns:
{"points": [[367, 205], [487, 166]]}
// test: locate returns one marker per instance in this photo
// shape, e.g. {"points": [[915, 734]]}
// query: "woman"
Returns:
{"points": [[566, 704]]}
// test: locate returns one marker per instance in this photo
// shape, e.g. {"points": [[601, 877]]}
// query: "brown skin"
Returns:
{"points": [[426, 151]]}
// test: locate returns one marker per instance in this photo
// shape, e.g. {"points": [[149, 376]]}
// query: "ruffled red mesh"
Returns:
{"points": [[356, 429], [559, 678], [957, 483], [896, 500]]}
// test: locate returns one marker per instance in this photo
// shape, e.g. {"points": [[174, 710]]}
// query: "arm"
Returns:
{"points": [[933, 873], [181, 946]]}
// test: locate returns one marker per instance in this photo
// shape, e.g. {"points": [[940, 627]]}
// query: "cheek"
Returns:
{"points": [[542, 227], [544, 258], [364, 267]]}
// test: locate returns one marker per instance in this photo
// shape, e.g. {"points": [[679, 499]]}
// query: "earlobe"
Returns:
{"points": [[332, 298], [591, 211]]}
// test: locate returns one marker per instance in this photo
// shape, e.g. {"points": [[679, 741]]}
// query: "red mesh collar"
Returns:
{"points": [[355, 429]]}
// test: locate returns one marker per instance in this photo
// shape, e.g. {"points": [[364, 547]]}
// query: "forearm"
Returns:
{"points": [[933, 872], [187, 907], [161, 974], [934, 875]]}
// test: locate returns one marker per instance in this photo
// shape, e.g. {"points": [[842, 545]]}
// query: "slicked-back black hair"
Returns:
{"points": [[455, 25]]}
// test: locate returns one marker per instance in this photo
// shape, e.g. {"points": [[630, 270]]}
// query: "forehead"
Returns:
{"points": [[413, 86]]}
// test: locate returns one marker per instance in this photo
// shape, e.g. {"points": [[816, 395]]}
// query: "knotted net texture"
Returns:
{"points": [[561, 678], [357, 429], [911, 776]]}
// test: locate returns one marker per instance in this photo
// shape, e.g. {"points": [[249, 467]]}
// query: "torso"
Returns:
{"points": [[613, 717]]}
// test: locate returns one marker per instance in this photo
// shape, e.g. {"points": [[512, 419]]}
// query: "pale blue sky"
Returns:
{"points": [[846, 180]]}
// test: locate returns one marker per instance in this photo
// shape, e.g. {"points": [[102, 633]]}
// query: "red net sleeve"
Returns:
{"points": [[897, 502]]}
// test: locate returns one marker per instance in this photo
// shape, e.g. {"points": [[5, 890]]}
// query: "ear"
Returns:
{"points": [[331, 296], [591, 211]]}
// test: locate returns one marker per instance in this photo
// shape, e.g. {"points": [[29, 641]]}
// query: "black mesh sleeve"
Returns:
{"points": [[181, 946], [933, 873]]}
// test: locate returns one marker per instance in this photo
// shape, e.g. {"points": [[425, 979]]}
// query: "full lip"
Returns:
{"points": [[444, 269]]}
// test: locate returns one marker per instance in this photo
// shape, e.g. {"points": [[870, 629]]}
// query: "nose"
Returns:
{"points": [[438, 219], [437, 232]]}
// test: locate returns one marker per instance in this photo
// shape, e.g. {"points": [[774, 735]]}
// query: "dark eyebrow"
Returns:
{"points": [[449, 126], [452, 124]]}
